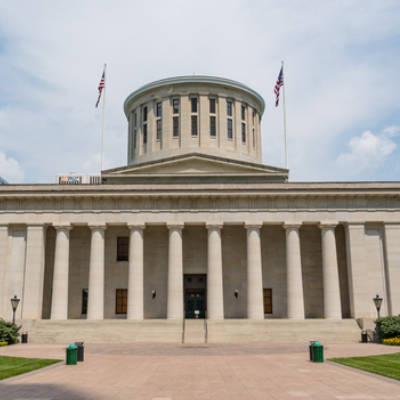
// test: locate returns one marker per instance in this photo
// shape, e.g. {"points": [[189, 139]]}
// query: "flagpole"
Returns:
{"points": [[284, 118], [103, 120]]}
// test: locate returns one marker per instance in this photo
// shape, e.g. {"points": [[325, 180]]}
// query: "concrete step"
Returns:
{"points": [[195, 331]]}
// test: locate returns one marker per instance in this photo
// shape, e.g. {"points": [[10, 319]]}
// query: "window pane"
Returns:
{"points": [[254, 139], [159, 129], [194, 105], [243, 132], [159, 109], [243, 112], [229, 128], [212, 106], [84, 301], [267, 301], [213, 131], [194, 124], [134, 138], [144, 133], [175, 126], [122, 248], [175, 106], [229, 108], [134, 118], [121, 301], [144, 114]]}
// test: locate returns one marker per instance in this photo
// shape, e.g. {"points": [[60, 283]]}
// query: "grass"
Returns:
{"points": [[12, 366], [385, 364]]}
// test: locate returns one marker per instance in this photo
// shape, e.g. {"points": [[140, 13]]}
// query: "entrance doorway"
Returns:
{"points": [[195, 287]]}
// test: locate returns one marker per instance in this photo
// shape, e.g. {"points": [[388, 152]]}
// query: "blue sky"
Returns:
{"points": [[342, 62]]}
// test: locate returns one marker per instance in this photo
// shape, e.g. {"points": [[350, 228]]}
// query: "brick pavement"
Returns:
{"points": [[173, 372]]}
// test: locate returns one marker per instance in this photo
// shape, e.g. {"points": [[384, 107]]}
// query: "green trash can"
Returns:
{"points": [[317, 351], [71, 355]]}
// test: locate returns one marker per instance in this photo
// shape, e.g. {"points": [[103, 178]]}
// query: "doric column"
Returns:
{"points": [[96, 274], [3, 268], [175, 273], [59, 301], [330, 273], [294, 279], [255, 306], [135, 283], [34, 272], [215, 298]]}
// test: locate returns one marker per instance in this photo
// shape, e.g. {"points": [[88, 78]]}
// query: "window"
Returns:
{"points": [[122, 248], [134, 138], [243, 112], [254, 114], [230, 135], [121, 301], [144, 133], [159, 109], [254, 139], [212, 106], [243, 132], [175, 106], [135, 118], [229, 108], [84, 301], [213, 131], [159, 129], [175, 121], [144, 114], [194, 125], [267, 301], [194, 104]]}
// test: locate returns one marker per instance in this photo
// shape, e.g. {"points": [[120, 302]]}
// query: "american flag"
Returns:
{"points": [[101, 86], [278, 85]]}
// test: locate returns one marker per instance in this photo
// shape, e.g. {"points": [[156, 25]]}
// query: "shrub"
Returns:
{"points": [[9, 332], [3, 344], [388, 327], [394, 341]]}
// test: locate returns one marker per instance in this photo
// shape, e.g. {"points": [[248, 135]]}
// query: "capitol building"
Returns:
{"points": [[196, 226]]}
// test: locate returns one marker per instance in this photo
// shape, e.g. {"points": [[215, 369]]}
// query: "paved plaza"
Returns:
{"points": [[174, 372]]}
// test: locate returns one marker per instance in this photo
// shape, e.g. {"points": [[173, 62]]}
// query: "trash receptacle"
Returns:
{"points": [[24, 337], [80, 347], [317, 351], [72, 354], [310, 348], [364, 337]]}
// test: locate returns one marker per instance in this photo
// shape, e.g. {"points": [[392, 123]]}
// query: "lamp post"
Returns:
{"points": [[14, 304], [378, 302]]}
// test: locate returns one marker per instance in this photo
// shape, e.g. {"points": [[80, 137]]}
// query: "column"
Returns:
{"points": [[34, 272], [330, 273], [59, 301], [3, 268], [175, 273], [95, 309], [135, 282], [215, 298], [255, 306], [294, 279]]}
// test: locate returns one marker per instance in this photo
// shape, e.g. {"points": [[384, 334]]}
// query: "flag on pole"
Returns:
{"points": [[278, 85], [101, 86]]}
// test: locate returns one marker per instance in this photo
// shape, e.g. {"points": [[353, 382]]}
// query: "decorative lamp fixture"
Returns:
{"points": [[378, 302], [14, 304], [236, 293]]}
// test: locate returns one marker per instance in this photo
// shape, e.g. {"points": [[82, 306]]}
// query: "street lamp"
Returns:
{"points": [[14, 304], [378, 302]]}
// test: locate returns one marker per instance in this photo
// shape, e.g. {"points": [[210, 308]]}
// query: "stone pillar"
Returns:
{"points": [[59, 301], [294, 279], [34, 272], [330, 273], [255, 306], [215, 297], [135, 283], [3, 268], [95, 309], [175, 273]]}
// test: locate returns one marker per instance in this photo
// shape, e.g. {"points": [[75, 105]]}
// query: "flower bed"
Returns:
{"points": [[394, 341], [3, 344]]}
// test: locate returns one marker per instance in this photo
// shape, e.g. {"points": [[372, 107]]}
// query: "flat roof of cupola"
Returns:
{"points": [[213, 80]]}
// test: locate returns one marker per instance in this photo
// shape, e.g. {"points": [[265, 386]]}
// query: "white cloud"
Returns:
{"points": [[392, 131], [10, 169]]}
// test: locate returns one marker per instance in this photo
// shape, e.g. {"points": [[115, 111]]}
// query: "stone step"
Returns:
{"points": [[195, 332]]}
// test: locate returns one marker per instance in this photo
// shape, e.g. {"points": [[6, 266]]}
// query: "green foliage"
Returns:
{"points": [[9, 332], [388, 327]]}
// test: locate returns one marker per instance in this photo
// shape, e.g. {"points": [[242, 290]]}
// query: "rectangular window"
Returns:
{"points": [[267, 301], [230, 135], [212, 106], [84, 301], [135, 118], [229, 108], [243, 112], [122, 248], [134, 139], [159, 129], [159, 109], [254, 139], [254, 114], [144, 133], [194, 104], [194, 125], [175, 121], [144, 114], [175, 106], [121, 301], [243, 132], [213, 131]]}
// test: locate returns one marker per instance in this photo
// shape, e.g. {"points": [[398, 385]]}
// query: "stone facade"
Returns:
{"points": [[206, 226]]}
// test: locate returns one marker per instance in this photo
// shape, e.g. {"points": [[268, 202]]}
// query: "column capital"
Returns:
{"points": [[292, 225], [98, 227], [327, 225], [66, 227], [214, 226], [252, 226], [175, 225], [134, 227]]}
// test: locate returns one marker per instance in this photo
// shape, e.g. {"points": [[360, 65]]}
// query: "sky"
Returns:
{"points": [[342, 86]]}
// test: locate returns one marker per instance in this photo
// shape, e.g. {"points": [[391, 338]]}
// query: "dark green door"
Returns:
{"points": [[194, 300]]}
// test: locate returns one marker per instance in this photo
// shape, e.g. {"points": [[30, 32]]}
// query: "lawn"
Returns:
{"points": [[385, 364], [11, 366]]}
